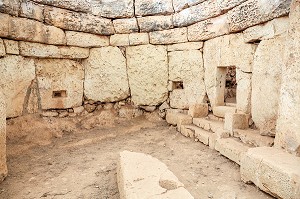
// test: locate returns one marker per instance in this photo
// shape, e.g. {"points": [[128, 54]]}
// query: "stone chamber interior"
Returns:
{"points": [[225, 73]]}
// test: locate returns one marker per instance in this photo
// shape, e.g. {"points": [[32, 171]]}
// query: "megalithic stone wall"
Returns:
{"points": [[3, 167]]}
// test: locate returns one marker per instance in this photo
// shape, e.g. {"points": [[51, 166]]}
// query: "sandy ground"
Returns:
{"points": [[46, 161]]}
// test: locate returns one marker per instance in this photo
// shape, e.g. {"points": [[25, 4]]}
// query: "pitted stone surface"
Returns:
{"points": [[105, 75], [155, 23], [153, 7], [113, 8], [3, 167]]}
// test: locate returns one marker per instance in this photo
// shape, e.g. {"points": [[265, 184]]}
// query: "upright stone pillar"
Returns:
{"points": [[3, 167], [288, 123]]}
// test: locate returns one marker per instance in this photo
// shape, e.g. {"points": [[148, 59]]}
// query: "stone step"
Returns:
{"points": [[231, 148], [197, 133], [220, 111], [253, 138], [178, 118], [208, 125]]}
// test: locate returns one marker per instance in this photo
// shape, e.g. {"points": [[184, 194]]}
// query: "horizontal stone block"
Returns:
{"points": [[32, 11], [172, 36], [123, 26], [75, 21], [138, 39], [11, 7], [155, 23], [185, 46], [81, 6], [81, 39], [253, 138], [28, 49], [153, 7], [182, 4], [119, 40], [113, 9], [220, 111], [198, 110], [11, 47]]}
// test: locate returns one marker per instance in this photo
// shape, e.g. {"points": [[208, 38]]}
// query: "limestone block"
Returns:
{"points": [[4, 25], [200, 12], [288, 122], [11, 7], [155, 23], [178, 99], [17, 75], [185, 46], [153, 7], [243, 93], [172, 36], [143, 176], [182, 4], [255, 12], [81, 6], [28, 49], [229, 4], [138, 39], [273, 171], [267, 30], [198, 110], [172, 115], [187, 66], [11, 46], [266, 83], [113, 9], [32, 11], [208, 29], [119, 40], [75, 21], [123, 26], [3, 167], [253, 138], [147, 67], [60, 83], [221, 111], [235, 121], [105, 75], [2, 48], [85, 39]]}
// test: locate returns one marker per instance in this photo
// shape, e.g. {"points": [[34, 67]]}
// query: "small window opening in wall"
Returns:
{"points": [[177, 85], [230, 85], [59, 94]]}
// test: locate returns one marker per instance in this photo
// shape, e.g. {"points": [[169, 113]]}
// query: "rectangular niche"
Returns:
{"points": [[177, 85], [59, 94]]}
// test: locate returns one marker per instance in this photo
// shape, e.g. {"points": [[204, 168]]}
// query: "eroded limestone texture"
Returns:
{"points": [[3, 167]]}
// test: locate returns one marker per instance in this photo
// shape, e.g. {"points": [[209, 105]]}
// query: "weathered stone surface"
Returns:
{"points": [[2, 48], [119, 40], [31, 10], [4, 25], [267, 30], [221, 111], [198, 110], [10, 7], [253, 138], [69, 20], [60, 83], [155, 23], [17, 75], [235, 121], [266, 83], [182, 4], [85, 39], [185, 46], [196, 13], [172, 36], [148, 74], [82, 5], [178, 99], [123, 26], [243, 93], [288, 122], [254, 12], [3, 167], [142, 176], [11, 46], [105, 75], [209, 28], [153, 7], [113, 8], [187, 66], [138, 38], [49, 51], [273, 171]]}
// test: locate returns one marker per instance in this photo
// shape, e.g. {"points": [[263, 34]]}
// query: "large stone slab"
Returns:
{"points": [[155, 23], [266, 83], [273, 171], [28, 49], [82, 22], [187, 67], [147, 67], [123, 26], [288, 122], [105, 75], [182, 4], [85, 39], [60, 83], [153, 7], [11, 47], [243, 91], [172, 36], [81, 6], [3, 167], [11, 7], [32, 10], [113, 8], [143, 176], [255, 12], [17, 74]]}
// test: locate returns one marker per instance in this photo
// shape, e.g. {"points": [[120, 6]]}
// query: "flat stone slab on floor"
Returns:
{"points": [[142, 176]]}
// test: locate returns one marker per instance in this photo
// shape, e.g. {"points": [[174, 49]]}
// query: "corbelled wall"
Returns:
{"points": [[69, 53]]}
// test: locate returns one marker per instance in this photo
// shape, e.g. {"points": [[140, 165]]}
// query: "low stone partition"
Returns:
{"points": [[143, 176]]}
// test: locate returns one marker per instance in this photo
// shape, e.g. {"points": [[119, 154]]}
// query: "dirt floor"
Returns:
{"points": [[76, 158]]}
